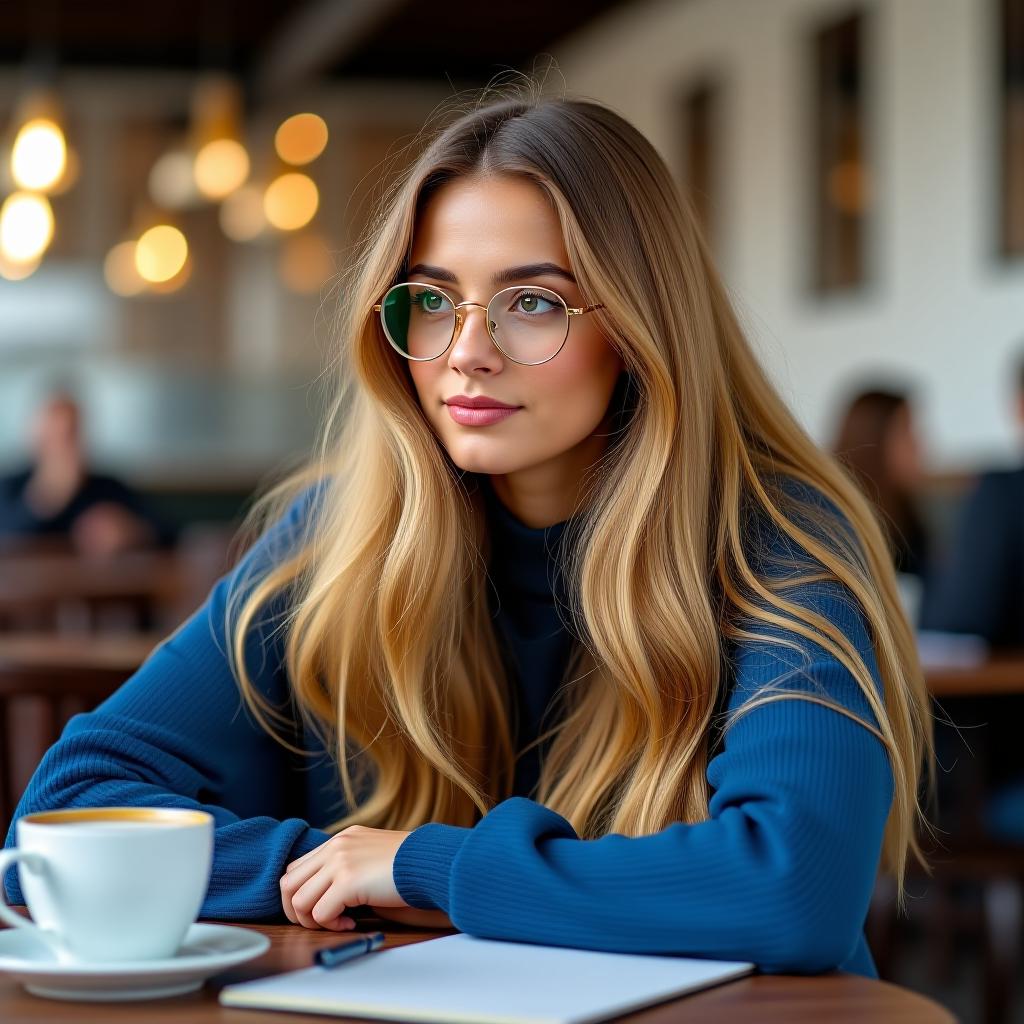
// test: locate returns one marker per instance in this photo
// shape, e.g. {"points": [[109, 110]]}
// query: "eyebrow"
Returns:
{"points": [[508, 276]]}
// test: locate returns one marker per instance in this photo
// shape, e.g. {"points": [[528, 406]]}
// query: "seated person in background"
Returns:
{"points": [[981, 588], [878, 442], [59, 496]]}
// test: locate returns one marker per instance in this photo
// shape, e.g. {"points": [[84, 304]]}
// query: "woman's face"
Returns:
{"points": [[903, 452], [470, 231]]}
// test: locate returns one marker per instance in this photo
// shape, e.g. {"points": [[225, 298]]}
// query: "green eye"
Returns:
{"points": [[429, 302]]}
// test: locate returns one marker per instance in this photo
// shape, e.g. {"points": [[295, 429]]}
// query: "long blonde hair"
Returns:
{"points": [[389, 644]]}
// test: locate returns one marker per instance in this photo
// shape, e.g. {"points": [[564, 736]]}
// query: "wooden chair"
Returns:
{"points": [[45, 679]]}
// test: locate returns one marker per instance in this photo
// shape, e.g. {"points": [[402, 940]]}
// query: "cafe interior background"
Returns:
{"points": [[181, 185]]}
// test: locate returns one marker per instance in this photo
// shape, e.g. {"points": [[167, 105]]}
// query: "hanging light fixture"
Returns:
{"points": [[221, 162], [291, 201], [26, 227], [301, 138]]}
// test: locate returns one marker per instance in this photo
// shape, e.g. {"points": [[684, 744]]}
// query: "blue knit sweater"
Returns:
{"points": [[780, 873]]}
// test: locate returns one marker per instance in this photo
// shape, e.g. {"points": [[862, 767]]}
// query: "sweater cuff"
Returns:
{"points": [[423, 865]]}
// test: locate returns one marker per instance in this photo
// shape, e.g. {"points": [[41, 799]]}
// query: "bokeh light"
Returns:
{"points": [[26, 227], [121, 273], [221, 166], [39, 155], [301, 139], [241, 215], [291, 201], [171, 183], [160, 253]]}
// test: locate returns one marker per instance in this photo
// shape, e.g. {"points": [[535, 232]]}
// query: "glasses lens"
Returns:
{"points": [[529, 324], [418, 320]]}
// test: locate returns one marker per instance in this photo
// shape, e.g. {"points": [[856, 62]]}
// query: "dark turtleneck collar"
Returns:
{"points": [[524, 559]]}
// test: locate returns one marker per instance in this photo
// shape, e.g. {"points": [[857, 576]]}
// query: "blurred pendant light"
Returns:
{"points": [[301, 138], [242, 217], [119, 270], [172, 184], [160, 253], [39, 155], [40, 159], [221, 160], [291, 201], [26, 227]]}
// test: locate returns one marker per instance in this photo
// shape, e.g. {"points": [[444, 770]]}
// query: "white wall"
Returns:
{"points": [[941, 311]]}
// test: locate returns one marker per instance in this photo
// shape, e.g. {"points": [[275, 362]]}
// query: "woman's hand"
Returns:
{"points": [[351, 869]]}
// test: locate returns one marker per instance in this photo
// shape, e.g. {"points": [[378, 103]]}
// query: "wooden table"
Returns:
{"points": [[1000, 675], [43, 588], [837, 998]]}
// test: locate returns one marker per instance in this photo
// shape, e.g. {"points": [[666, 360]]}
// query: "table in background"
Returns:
{"points": [[45, 678], [837, 998], [1001, 674], [66, 590]]}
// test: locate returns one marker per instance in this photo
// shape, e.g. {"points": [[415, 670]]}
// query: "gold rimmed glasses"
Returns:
{"points": [[527, 323]]}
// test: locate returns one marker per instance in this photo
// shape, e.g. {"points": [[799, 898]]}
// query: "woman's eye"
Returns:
{"points": [[429, 302], [530, 303]]}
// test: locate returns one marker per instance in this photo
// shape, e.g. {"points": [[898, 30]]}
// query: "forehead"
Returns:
{"points": [[474, 222]]}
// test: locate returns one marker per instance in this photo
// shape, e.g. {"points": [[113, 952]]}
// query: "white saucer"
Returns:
{"points": [[207, 949]]}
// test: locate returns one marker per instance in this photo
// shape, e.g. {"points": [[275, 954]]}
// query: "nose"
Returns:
{"points": [[472, 347]]}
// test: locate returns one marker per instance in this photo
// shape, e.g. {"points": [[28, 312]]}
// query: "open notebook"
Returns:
{"points": [[467, 980]]}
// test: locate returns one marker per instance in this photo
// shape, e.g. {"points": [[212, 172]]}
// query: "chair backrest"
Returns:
{"points": [[45, 679]]}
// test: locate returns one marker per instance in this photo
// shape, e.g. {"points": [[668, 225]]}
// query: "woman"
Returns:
{"points": [[621, 666]]}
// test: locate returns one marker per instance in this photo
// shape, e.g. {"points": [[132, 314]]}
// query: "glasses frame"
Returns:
{"points": [[570, 311]]}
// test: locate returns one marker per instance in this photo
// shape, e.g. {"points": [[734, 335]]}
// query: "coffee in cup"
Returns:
{"points": [[111, 883]]}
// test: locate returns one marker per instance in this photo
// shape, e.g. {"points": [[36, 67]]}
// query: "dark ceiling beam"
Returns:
{"points": [[320, 34]]}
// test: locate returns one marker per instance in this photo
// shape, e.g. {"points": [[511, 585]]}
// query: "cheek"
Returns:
{"points": [[577, 385]]}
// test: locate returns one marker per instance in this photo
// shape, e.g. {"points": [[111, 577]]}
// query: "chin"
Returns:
{"points": [[492, 458]]}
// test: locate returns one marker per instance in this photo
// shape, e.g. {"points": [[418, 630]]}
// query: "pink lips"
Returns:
{"points": [[469, 417]]}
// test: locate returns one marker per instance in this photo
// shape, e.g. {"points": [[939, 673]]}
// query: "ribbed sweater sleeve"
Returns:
{"points": [[780, 873], [177, 735]]}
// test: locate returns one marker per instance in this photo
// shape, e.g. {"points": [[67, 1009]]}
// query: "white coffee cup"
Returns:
{"points": [[111, 883]]}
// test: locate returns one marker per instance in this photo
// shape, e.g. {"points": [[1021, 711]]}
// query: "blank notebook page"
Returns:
{"points": [[459, 978]]}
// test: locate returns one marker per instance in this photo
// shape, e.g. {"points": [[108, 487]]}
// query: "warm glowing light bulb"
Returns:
{"points": [[241, 215], [291, 201], [171, 183], [301, 138], [119, 270], [160, 253], [26, 227], [221, 166], [39, 155]]}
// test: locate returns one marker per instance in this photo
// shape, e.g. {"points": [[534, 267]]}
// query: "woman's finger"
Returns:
{"points": [[291, 882], [307, 897], [329, 910]]}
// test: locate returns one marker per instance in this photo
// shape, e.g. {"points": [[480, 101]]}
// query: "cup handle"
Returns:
{"points": [[34, 862]]}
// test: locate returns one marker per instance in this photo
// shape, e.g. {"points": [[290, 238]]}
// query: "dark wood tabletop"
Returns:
{"points": [[45, 653], [1001, 674], [132, 574], [837, 998]]}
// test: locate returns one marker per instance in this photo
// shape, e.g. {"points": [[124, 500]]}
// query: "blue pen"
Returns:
{"points": [[334, 955]]}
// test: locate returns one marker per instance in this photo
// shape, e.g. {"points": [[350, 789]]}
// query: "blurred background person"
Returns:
{"points": [[879, 442], [981, 587], [60, 496]]}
